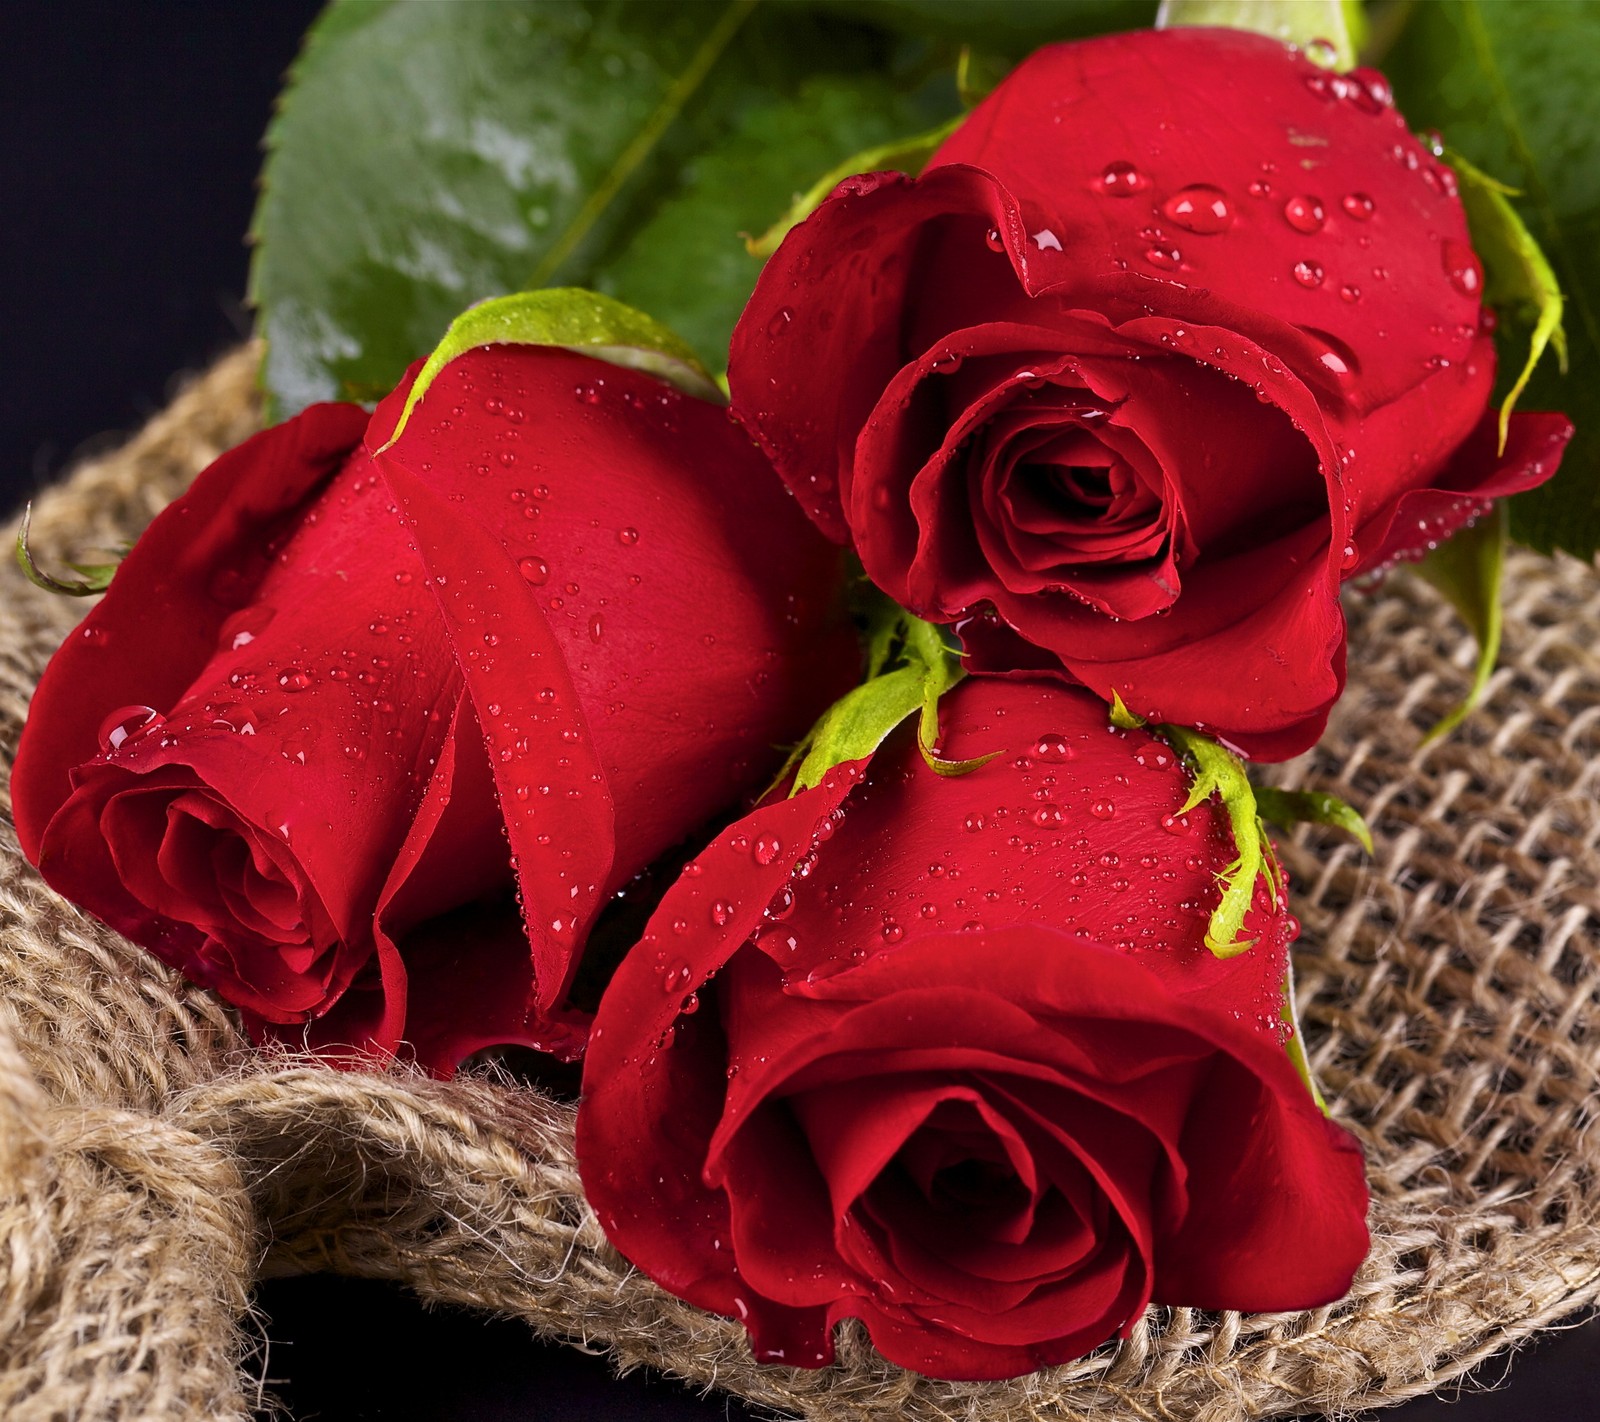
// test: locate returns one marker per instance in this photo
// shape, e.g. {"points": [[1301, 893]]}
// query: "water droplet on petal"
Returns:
{"points": [[1103, 809], [766, 848], [1304, 214], [780, 322], [125, 723], [1358, 206], [1308, 274], [1461, 265], [1200, 208], [721, 913], [293, 679], [1163, 256], [993, 239], [1046, 240], [1053, 749], [1322, 53], [534, 570], [1122, 179], [1370, 91], [628, 537]]}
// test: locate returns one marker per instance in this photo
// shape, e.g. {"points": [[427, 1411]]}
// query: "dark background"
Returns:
{"points": [[129, 144]]}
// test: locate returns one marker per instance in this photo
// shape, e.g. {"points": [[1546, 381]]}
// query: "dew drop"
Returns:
{"points": [[766, 848], [1200, 208], [973, 823], [535, 571], [125, 723], [892, 932], [1304, 214], [1052, 749], [627, 537], [1322, 53], [293, 679], [1358, 206], [587, 394], [1046, 240], [1461, 265], [780, 323], [721, 913], [993, 240], [1103, 809], [1122, 179], [1163, 256], [1048, 815], [1308, 274]]}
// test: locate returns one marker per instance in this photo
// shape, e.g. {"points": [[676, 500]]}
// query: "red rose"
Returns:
{"points": [[967, 1072], [1175, 333], [334, 696]]}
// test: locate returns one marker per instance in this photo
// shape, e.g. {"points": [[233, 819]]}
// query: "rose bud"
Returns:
{"points": [[949, 1055], [1175, 333], [334, 695]]}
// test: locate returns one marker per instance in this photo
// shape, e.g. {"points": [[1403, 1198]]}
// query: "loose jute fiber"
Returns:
{"points": [[151, 1167]]}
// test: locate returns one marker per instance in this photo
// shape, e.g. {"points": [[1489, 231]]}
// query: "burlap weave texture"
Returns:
{"points": [[151, 1167]]}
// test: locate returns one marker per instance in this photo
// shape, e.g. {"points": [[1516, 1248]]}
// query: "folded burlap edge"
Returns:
{"points": [[151, 1166]]}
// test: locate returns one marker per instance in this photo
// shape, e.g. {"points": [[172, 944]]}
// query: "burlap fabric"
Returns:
{"points": [[151, 1167]]}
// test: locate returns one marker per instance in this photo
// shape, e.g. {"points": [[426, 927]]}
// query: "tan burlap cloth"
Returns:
{"points": [[150, 1169]]}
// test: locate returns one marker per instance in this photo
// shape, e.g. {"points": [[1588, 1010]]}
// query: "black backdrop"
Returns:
{"points": [[129, 141]]}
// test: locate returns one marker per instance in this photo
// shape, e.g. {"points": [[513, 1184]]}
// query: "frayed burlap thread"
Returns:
{"points": [[151, 1166]]}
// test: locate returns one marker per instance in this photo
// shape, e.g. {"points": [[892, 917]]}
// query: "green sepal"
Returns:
{"points": [[1516, 273], [910, 666], [1122, 718], [1218, 771], [1469, 569], [575, 320], [1292, 807], [978, 75], [907, 155], [1297, 22], [1296, 1046], [96, 576]]}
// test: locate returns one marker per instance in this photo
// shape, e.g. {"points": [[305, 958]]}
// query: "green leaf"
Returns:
{"points": [[96, 576], [905, 155], [688, 263], [1468, 569], [428, 156], [1517, 277], [1320, 27], [576, 321], [1292, 807], [1010, 27], [1512, 87]]}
